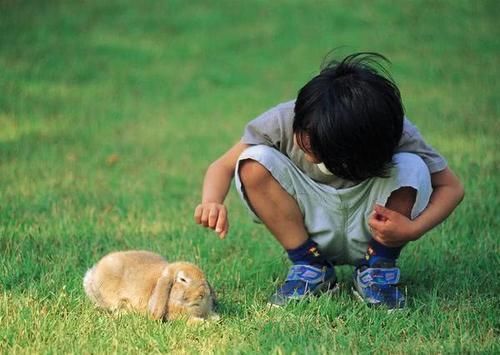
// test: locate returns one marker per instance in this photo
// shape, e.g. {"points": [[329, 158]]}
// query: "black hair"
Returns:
{"points": [[353, 116]]}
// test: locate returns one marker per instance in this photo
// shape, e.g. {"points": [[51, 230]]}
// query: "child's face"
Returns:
{"points": [[304, 143]]}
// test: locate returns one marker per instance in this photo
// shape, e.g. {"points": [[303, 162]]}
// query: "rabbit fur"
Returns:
{"points": [[146, 282]]}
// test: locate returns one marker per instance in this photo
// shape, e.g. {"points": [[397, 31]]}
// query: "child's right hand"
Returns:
{"points": [[216, 184], [214, 216]]}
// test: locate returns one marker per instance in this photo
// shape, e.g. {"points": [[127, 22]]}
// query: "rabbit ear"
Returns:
{"points": [[157, 305]]}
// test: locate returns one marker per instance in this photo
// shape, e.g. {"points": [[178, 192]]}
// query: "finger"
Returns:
{"points": [[383, 211], [379, 237], [197, 214], [221, 221], [376, 224], [204, 217], [376, 236], [224, 231], [377, 216], [213, 216]]}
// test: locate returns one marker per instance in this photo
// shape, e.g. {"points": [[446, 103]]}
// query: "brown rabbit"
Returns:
{"points": [[146, 282]]}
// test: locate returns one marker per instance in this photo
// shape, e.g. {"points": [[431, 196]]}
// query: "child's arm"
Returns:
{"points": [[212, 213], [395, 229]]}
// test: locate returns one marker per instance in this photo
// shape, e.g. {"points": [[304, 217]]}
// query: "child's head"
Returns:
{"points": [[350, 117]]}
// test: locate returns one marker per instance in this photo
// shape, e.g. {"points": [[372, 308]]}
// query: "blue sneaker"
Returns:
{"points": [[377, 285], [304, 280]]}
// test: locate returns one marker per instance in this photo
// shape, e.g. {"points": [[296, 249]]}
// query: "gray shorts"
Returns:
{"points": [[337, 219]]}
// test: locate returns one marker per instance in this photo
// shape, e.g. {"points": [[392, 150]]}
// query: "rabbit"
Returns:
{"points": [[146, 282]]}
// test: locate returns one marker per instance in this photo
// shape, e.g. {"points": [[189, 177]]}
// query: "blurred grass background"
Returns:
{"points": [[111, 111]]}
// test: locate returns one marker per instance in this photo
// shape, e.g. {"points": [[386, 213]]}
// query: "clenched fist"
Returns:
{"points": [[214, 216]]}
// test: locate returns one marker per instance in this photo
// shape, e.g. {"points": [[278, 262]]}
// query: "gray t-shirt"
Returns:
{"points": [[275, 128]]}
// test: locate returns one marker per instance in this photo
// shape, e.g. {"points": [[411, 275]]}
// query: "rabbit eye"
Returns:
{"points": [[182, 279]]}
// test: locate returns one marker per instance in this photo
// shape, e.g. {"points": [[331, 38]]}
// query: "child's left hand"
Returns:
{"points": [[391, 228]]}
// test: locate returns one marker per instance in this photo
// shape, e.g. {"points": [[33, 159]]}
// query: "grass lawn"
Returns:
{"points": [[110, 112]]}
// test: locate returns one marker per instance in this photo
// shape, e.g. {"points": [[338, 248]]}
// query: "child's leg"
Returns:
{"points": [[406, 191], [269, 184], [277, 209]]}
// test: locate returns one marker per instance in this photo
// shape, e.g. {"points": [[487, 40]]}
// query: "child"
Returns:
{"points": [[338, 176]]}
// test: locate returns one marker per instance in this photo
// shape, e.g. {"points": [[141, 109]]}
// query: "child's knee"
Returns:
{"points": [[411, 168], [410, 163], [252, 173], [251, 166], [258, 152], [402, 200], [257, 164], [413, 184]]}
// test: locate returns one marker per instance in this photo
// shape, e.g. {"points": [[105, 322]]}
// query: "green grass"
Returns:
{"points": [[110, 111]]}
